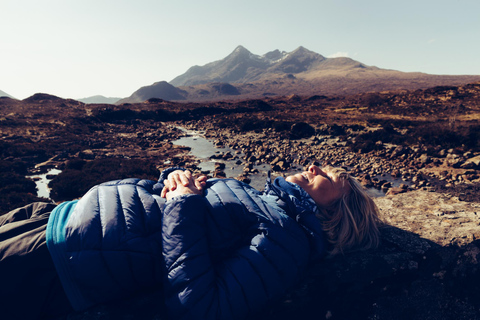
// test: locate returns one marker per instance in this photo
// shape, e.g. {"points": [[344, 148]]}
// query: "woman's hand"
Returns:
{"points": [[181, 182]]}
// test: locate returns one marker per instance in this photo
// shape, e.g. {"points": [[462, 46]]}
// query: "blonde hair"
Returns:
{"points": [[351, 222]]}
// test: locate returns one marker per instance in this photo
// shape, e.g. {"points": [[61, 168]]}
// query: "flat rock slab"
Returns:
{"points": [[441, 218]]}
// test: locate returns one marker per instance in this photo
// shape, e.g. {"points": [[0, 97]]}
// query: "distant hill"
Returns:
{"points": [[43, 98], [243, 74], [162, 90], [4, 94], [99, 99]]}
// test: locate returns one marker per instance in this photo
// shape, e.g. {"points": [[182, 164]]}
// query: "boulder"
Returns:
{"points": [[453, 160], [424, 159], [219, 166], [395, 190], [472, 163]]}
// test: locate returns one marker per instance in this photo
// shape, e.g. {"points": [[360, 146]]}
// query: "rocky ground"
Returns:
{"points": [[421, 148]]}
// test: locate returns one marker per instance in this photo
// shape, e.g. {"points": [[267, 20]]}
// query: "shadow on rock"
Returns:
{"points": [[408, 277]]}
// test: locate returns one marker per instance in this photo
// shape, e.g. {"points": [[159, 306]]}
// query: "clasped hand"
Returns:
{"points": [[181, 182]]}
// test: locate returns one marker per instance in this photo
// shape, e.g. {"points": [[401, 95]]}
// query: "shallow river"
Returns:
{"points": [[41, 181], [203, 149]]}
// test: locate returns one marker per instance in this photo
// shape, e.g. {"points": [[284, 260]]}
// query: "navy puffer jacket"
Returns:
{"points": [[223, 255]]}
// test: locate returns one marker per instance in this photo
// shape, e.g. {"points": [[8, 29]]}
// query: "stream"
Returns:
{"points": [[42, 180], [203, 149]]}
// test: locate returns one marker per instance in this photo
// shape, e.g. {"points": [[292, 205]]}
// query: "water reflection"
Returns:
{"points": [[203, 149], [42, 180]]}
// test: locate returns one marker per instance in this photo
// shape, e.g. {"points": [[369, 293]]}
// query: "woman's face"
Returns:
{"points": [[321, 185]]}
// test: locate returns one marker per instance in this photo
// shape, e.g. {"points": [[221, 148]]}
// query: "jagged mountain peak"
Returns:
{"points": [[271, 56], [240, 50], [302, 51], [275, 55], [240, 53], [242, 66]]}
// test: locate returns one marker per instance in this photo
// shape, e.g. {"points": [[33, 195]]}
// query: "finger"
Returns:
{"points": [[172, 182], [186, 177], [167, 185], [202, 178], [164, 192], [174, 179], [200, 184]]}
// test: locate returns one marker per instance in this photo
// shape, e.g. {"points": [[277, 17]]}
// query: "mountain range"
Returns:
{"points": [[242, 66], [99, 99], [243, 74]]}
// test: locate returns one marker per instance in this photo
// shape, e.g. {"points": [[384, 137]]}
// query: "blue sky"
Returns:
{"points": [[76, 49]]}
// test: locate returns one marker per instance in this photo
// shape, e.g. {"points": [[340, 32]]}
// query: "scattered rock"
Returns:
{"points": [[395, 190], [86, 154], [454, 160], [472, 163]]}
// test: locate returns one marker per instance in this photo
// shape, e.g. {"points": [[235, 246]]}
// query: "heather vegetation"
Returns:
{"points": [[15, 189], [159, 110], [286, 129], [79, 175], [433, 135]]}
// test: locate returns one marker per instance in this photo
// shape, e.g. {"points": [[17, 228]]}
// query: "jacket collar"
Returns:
{"points": [[298, 204], [295, 200]]}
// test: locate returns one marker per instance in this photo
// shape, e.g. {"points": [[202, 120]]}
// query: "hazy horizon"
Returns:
{"points": [[112, 48]]}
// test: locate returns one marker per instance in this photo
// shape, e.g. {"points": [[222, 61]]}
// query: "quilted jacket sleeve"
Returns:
{"points": [[237, 287]]}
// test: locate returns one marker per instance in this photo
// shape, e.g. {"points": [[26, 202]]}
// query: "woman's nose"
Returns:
{"points": [[314, 169]]}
